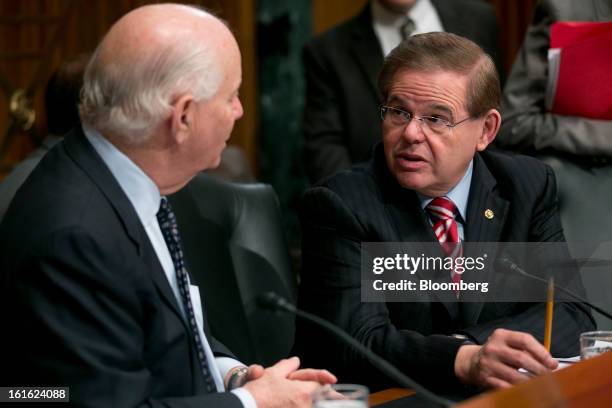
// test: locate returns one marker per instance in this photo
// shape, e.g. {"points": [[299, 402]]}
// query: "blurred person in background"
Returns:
{"points": [[341, 65]]}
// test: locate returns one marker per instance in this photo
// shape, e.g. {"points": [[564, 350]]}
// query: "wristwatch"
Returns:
{"points": [[466, 339], [238, 378], [459, 336]]}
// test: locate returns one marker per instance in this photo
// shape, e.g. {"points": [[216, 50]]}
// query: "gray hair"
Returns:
{"points": [[131, 100], [447, 52]]}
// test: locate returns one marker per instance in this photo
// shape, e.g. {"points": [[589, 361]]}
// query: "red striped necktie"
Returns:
{"points": [[442, 212]]}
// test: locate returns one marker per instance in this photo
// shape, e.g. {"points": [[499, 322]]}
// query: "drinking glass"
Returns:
{"points": [[595, 343], [341, 396]]}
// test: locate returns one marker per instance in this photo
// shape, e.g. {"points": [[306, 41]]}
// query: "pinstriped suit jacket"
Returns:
{"points": [[341, 118], [365, 204]]}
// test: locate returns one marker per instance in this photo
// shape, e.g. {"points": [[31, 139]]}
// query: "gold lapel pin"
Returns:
{"points": [[489, 214]]}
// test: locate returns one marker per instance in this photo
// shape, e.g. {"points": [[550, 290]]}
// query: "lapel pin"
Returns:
{"points": [[489, 214]]}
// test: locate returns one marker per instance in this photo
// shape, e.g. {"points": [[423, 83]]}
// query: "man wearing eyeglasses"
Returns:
{"points": [[431, 180]]}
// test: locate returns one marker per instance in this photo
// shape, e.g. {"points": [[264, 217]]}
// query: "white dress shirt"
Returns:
{"points": [[145, 198], [387, 24]]}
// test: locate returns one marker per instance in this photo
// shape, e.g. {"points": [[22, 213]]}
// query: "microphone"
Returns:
{"points": [[510, 265], [272, 301]]}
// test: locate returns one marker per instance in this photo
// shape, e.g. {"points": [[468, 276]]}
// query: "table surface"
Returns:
{"points": [[584, 384], [391, 394]]}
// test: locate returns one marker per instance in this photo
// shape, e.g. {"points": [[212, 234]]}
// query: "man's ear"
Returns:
{"points": [[182, 117], [492, 122]]}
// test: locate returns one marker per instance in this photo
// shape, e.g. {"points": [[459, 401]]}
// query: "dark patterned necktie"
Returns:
{"points": [[442, 212], [167, 223], [407, 28]]}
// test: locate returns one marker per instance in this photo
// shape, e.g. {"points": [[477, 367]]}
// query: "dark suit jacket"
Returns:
{"points": [[85, 302], [341, 118], [527, 126], [365, 204]]}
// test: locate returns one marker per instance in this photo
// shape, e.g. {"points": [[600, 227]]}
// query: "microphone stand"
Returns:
{"points": [[517, 269], [272, 301]]}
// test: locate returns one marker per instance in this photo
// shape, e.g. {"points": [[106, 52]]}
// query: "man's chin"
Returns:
{"points": [[410, 181], [416, 182], [215, 162]]}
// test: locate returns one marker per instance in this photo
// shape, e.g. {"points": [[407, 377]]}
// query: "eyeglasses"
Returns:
{"points": [[398, 117]]}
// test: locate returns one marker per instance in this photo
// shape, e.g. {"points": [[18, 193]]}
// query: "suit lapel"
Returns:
{"points": [[481, 228], [366, 49], [445, 12], [81, 151], [411, 225], [483, 196], [450, 17]]}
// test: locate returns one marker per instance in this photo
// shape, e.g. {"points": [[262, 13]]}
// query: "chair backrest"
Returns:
{"points": [[235, 249], [585, 200]]}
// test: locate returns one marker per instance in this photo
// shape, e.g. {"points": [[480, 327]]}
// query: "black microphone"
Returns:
{"points": [[271, 300], [510, 265]]}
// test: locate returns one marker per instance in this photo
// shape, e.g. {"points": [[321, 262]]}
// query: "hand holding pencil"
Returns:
{"points": [[506, 358]]}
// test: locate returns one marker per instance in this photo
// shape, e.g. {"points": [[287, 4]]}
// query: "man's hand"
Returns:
{"points": [[496, 363], [306, 374], [310, 374], [255, 371], [283, 385]]}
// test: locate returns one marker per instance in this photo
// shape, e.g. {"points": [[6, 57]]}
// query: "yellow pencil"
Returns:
{"points": [[550, 302]]}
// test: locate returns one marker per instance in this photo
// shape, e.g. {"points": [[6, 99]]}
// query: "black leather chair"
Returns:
{"points": [[235, 249], [585, 204]]}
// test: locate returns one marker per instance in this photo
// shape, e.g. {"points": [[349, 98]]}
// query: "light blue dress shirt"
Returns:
{"points": [[458, 195], [145, 198]]}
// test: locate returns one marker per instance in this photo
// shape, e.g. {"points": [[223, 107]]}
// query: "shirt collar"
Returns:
{"points": [[425, 16], [139, 188], [420, 11], [458, 195]]}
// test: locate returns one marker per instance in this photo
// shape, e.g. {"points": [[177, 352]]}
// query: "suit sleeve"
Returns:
{"points": [[81, 320], [325, 150], [526, 123], [570, 318], [331, 288]]}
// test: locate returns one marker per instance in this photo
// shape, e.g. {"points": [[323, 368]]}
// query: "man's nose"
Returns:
{"points": [[413, 131], [238, 109]]}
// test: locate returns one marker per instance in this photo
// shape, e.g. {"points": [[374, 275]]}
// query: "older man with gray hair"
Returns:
{"points": [[431, 180], [95, 293]]}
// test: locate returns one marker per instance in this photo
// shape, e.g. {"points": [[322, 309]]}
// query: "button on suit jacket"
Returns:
{"points": [[366, 204]]}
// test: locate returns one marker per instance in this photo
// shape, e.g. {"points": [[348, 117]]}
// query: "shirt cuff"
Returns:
{"points": [[225, 364], [467, 339], [245, 397]]}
